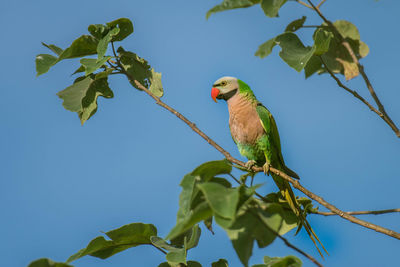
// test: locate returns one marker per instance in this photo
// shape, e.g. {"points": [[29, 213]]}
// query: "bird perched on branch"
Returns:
{"points": [[255, 133]]}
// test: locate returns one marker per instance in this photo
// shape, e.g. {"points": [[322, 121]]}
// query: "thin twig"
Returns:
{"points": [[304, 4], [371, 90], [320, 4], [296, 184], [354, 93], [287, 243], [373, 212]]}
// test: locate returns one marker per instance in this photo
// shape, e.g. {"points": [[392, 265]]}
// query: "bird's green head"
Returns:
{"points": [[224, 88]]}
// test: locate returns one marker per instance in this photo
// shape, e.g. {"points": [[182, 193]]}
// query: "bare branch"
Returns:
{"points": [[371, 90], [373, 212]]}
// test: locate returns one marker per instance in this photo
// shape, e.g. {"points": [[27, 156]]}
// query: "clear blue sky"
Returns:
{"points": [[61, 183]]}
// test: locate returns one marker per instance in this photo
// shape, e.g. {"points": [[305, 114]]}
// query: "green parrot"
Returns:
{"points": [[255, 133]]}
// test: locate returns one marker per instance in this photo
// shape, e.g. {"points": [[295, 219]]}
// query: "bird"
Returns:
{"points": [[254, 130]]}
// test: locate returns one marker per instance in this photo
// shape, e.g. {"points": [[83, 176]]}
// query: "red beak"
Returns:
{"points": [[214, 93]]}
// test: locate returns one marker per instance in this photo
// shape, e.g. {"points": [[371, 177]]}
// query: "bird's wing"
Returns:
{"points": [[270, 128]]}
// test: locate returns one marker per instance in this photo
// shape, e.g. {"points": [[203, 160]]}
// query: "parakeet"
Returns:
{"points": [[255, 133]]}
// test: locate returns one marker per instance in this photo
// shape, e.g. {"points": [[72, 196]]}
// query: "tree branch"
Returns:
{"points": [[371, 90], [373, 212], [296, 184]]}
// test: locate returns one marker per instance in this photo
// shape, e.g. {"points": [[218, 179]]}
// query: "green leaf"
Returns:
{"points": [[53, 48], [221, 181], [293, 52], [185, 198], [98, 30], [43, 63], [191, 236], [155, 83], [222, 200], [271, 7], [322, 40], [288, 261], [176, 257], [127, 236], [47, 263], [314, 65], [198, 214], [295, 25], [363, 49], [246, 229], [81, 97], [220, 263], [103, 43], [254, 222], [78, 70], [125, 28], [231, 4], [194, 237], [337, 58], [139, 69], [208, 170], [103, 74], [92, 64], [266, 48], [83, 46], [347, 29]]}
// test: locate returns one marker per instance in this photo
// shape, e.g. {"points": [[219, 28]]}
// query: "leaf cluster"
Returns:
{"points": [[206, 198], [81, 97], [327, 50]]}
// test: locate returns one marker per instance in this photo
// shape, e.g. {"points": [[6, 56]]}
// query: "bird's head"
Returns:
{"points": [[224, 88]]}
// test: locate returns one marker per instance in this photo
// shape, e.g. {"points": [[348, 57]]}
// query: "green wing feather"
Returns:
{"points": [[270, 128], [269, 125]]}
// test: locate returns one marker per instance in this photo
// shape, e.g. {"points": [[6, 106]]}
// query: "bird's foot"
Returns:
{"points": [[250, 164], [266, 168]]}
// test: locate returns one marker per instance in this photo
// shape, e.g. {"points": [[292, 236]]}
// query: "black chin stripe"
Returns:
{"points": [[229, 94]]}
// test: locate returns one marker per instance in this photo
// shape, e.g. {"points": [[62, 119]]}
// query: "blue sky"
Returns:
{"points": [[61, 183]]}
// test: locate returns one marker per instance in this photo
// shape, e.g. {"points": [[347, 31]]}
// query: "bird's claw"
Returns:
{"points": [[266, 168], [250, 164]]}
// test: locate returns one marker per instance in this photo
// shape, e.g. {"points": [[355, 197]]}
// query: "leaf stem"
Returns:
{"points": [[160, 249]]}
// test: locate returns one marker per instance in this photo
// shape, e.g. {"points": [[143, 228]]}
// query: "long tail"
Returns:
{"points": [[287, 193]]}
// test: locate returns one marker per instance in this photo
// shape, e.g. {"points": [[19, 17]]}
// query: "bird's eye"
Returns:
{"points": [[223, 83]]}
